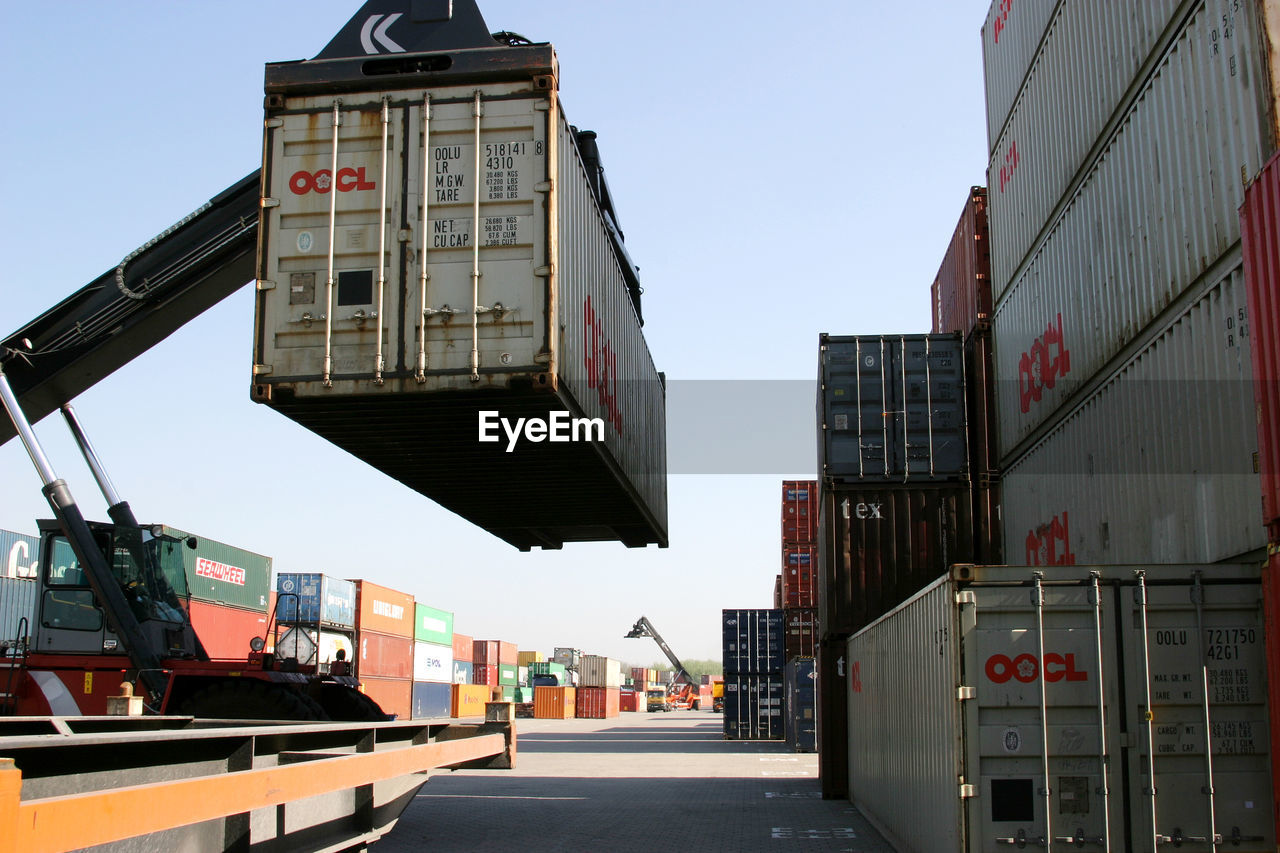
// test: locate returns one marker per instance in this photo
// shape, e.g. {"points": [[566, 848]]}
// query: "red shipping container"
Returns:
{"points": [[1260, 243], [393, 695], [801, 629], [484, 674], [463, 647], [383, 656], [777, 592], [508, 653], [596, 703], [224, 631], [629, 700], [962, 287], [484, 652], [799, 589], [383, 610], [799, 512]]}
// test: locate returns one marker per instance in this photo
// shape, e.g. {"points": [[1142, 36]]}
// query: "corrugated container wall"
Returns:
{"points": [[18, 598], [548, 325], [486, 674], [393, 695], [754, 641], [1010, 40], [1260, 240], [1158, 462], [21, 554], [753, 707], [878, 546], [891, 409], [554, 703], [463, 647], [384, 610], [432, 625], [801, 626], [432, 700], [463, 671], [595, 703], [1144, 233], [215, 572], [484, 652], [599, 671], [225, 632], [962, 288], [432, 662], [316, 598], [799, 588], [384, 656], [800, 708], [799, 512], [508, 653], [526, 658], [1182, 681], [469, 700]]}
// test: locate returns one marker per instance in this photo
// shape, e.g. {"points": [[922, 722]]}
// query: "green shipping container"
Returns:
{"points": [[524, 695], [213, 571], [547, 668], [507, 675], [508, 694], [432, 626]]}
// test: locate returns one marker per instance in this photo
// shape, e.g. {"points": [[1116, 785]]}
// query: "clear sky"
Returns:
{"points": [[779, 169]]}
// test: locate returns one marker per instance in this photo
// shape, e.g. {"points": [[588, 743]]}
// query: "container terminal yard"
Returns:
{"points": [[599, 428]]}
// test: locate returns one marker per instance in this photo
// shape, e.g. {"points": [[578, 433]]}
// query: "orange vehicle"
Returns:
{"points": [[682, 693]]}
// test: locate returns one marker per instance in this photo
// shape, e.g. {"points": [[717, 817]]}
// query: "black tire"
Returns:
{"points": [[251, 699], [349, 705], [696, 706]]}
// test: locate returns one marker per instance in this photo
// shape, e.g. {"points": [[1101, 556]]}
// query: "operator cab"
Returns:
{"points": [[150, 571]]}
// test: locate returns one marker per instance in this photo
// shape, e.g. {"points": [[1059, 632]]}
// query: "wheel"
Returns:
{"points": [[251, 699], [345, 703], [695, 706]]}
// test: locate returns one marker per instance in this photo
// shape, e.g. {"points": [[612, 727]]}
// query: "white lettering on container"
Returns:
{"points": [[391, 611], [207, 568]]}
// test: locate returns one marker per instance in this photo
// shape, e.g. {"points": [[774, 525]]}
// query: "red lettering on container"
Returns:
{"points": [[1000, 668], [1040, 367], [207, 568], [1011, 161], [601, 361], [999, 23], [349, 179], [1049, 545], [855, 676]]}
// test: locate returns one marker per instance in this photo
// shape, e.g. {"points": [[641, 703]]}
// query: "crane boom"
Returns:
{"points": [[644, 628]]}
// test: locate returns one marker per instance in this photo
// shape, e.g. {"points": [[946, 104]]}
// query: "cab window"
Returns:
{"points": [[70, 609]]}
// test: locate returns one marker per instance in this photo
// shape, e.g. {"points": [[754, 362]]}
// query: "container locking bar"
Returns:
{"points": [[1104, 760], [1037, 598], [420, 375], [928, 397], [857, 374], [379, 363], [1141, 593], [333, 238], [906, 441], [884, 405], [1197, 598], [477, 111]]}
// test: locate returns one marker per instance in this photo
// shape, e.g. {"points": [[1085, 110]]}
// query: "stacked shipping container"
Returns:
{"points": [[797, 596], [18, 589], [599, 680], [384, 642], [432, 662], [754, 657]]}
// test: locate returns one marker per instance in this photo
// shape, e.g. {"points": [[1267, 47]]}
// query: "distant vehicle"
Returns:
{"points": [[655, 698], [682, 693]]}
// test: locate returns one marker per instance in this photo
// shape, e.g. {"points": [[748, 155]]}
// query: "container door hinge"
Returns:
{"points": [[963, 693], [269, 203], [266, 284], [542, 358], [273, 122], [404, 235], [542, 105], [261, 369], [966, 596], [543, 186], [968, 791], [543, 272]]}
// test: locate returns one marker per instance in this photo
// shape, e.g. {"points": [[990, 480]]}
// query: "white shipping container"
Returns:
{"points": [[1010, 40], [1158, 205], [433, 253], [1158, 462], [598, 671], [997, 708], [1091, 54], [432, 662]]}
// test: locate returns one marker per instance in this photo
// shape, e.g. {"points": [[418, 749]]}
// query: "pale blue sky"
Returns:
{"points": [[780, 170]]}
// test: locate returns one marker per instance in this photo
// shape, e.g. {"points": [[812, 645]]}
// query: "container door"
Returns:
{"points": [[1038, 739], [1198, 648]]}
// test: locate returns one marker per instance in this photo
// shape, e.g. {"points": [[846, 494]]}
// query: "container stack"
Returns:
{"points": [[384, 643], [797, 596], [432, 662], [599, 682], [315, 618], [754, 658], [18, 589], [463, 651]]}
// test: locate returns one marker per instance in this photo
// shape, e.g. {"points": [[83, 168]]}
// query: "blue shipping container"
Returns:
{"points": [[17, 601], [320, 599], [800, 712], [462, 671], [753, 707], [754, 642], [21, 554], [432, 700]]}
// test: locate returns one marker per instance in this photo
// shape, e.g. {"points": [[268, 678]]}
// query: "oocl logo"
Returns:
{"points": [[1040, 367], [1025, 668], [349, 179]]}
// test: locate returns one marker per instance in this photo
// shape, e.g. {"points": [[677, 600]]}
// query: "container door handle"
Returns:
{"points": [[333, 236], [378, 362], [1037, 598], [928, 398], [476, 111], [906, 443], [1104, 761], [1197, 598], [420, 374], [1150, 791]]}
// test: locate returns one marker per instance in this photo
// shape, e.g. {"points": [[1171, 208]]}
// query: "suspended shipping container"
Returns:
{"points": [[314, 598], [878, 546], [554, 703], [754, 641], [432, 662], [469, 700], [800, 719], [1158, 463], [596, 703], [433, 626], [1260, 240], [1117, 704], [21, 554], [753, 707], [466, 266], [432, 700], [777, 592], [891, 409], [799, 512]]}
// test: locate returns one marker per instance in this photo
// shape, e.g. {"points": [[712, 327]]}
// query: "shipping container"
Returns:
{"points": [[21, 555], [18, 599], [754, 641], [567, 657], [548, 669], [214, 572], [312, 647], [777, 592], [554, 703], [432, 700], [432, 662], [383, 610], [507, 675], [393, 695], [524, 695], [462, 671], [629, 700], [962, 288], [833, 718], [384, 656], [526, 658], [596, 703], [1085, 77], [1260, 247], [801, 627], [463, 648], [509, 227], [508, 653], [753, 707], [878, 546], [798, 566], [1117, 703], [433, 626], [469, 700], [1145, 234], [984, 462], [314, 598], [599, 671], [486, 674], [800, 708], [507, 692], [1157, 463], [799, 512], [225, 632], [1010, 40], [891, 409], [484, 652]]}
